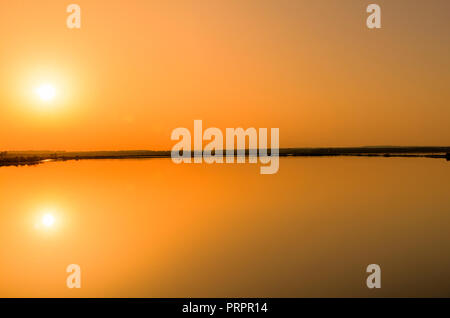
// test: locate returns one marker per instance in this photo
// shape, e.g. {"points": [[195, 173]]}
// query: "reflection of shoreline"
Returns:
{"points": [[21, 158]]}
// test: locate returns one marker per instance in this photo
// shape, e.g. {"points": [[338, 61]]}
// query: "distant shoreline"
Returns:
{"points": [[21, 158]]}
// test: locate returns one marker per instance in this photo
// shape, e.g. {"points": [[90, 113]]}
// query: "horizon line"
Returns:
{"points": [[224, 149]]}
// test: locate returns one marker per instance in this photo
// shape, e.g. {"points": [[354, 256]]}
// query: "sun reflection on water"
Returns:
{"points": [[46, 219]]}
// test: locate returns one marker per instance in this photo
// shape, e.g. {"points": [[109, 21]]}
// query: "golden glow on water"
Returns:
{"points": [[46, 219], [150, 228]]}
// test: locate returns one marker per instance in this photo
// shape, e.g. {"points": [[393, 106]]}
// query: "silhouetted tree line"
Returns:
{"points": [[18, 160]]}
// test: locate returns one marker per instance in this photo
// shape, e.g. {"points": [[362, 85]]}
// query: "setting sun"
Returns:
{"points": [[46, 92], [48, 220]]}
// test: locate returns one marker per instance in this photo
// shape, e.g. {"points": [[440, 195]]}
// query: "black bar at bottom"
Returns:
{"points": [[213, 307]]}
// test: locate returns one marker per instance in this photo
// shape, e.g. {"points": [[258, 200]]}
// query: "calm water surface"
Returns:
{"points": [[150, 228]]}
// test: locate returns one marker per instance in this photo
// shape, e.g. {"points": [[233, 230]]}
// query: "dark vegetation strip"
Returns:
{"points": [[35, 157]]}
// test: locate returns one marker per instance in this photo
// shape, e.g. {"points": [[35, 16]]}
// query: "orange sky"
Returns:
{"points": [[138, 69]]}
